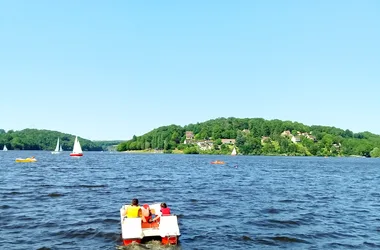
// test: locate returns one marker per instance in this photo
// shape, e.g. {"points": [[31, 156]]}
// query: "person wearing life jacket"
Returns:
{"points": [[146, 215], [133, 210], [164, 211]]}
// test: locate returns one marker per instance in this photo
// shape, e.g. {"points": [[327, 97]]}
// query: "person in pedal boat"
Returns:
{"points": [[133, 210], [146, 214], [164, 211]]}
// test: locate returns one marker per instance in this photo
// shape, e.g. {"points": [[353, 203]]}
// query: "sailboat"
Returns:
{"points": [[56, 150], [233, 152], [77, 149], [5, 148]]}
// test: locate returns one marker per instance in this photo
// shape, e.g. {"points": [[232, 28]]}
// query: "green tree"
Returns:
{"points": [[375, 152], [327, 140], [292, 149], [218, 142], [268, 148], [284, 145], [240, 140], [363, 149], [176, 137], [314, 149], [191, 150]]}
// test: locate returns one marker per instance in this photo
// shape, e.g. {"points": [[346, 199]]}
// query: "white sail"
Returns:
{"points": [[77, 148], [5, 148], [56, 150], [60, 148], [57, 147], [233, 151]]}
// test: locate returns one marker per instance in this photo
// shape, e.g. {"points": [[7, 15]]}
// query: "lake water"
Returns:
{"points": [[250, 203]]}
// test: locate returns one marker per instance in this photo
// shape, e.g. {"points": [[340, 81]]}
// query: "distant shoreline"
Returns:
{"points": [[181, 152], [151, 151], [143, 152]]}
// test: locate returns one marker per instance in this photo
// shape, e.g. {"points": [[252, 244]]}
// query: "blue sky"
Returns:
{"points": [[108, 70]]}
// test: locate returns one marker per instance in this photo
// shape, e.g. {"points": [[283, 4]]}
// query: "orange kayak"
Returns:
{"points": [[217, 162]]}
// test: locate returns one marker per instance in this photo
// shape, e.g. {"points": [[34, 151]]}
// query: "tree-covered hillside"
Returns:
{"points": [[108, 145], [257, 136], [34, 139]]}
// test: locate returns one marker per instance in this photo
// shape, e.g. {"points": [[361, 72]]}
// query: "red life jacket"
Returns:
{"points": [[165, 211]]}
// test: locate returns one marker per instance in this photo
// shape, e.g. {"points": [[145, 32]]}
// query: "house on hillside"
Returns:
{"points": [[229, 141], [205, 145], [187, 141], [307, 135], [286, 133], [311, 137], [295, 139], [337, 145], [189, 135]]}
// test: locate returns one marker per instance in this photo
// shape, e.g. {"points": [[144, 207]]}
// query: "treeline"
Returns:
{"points": [[108, 145], [163, 138], [34, 139], [257, 136]]}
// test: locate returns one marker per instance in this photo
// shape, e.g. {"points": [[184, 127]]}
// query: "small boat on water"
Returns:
{"points": [[58, 148], [77, 149], [233, 153], [134, 230], [31, 159], [217, 162], [5, 148]]}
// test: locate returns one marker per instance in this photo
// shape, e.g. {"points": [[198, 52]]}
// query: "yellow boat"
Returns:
{"points": [[31, 159]]}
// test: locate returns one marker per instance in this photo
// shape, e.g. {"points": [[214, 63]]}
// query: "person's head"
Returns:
{"points": [[163, 205], [135, 202], [146, 206]]}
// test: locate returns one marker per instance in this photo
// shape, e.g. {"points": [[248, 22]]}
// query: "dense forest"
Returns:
{"points": [[256, 136], [34, 139]]}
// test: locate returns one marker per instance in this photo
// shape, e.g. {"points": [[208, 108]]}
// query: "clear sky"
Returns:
{"points": [[108, 70]]}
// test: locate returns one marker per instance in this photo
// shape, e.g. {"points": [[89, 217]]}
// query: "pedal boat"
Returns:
{"points": [[134, 230], [25, 160]]}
